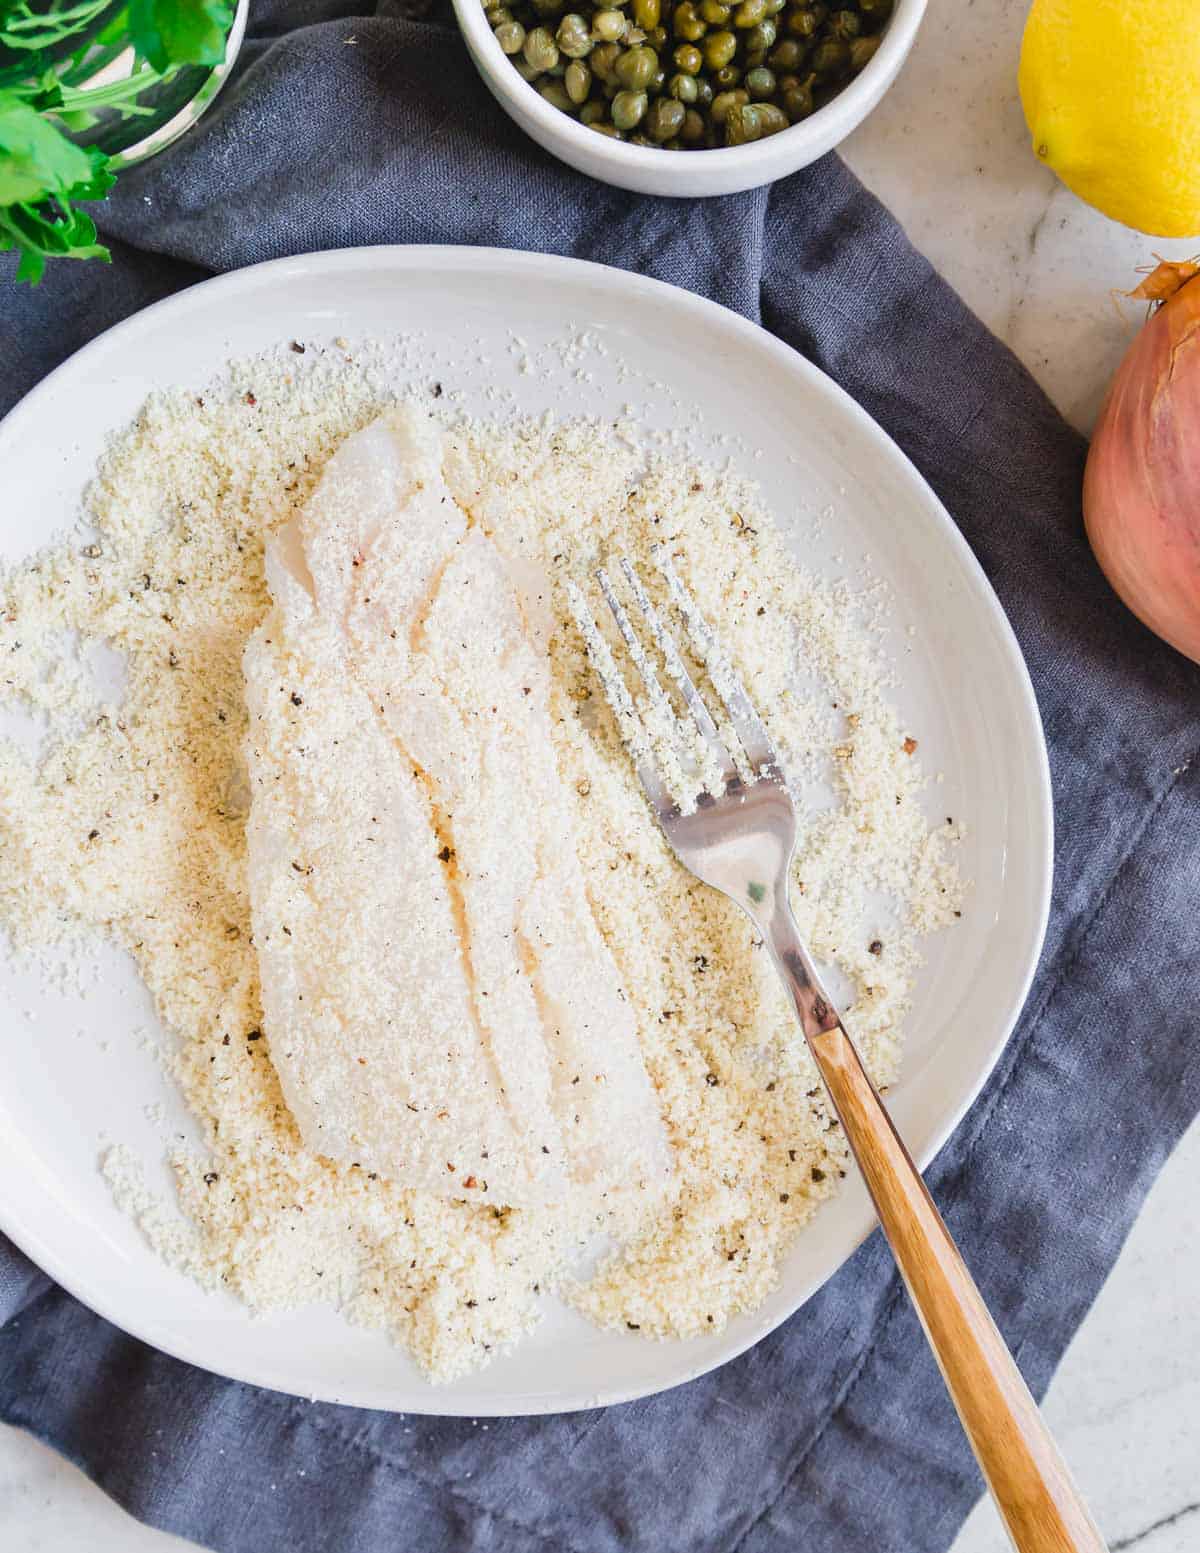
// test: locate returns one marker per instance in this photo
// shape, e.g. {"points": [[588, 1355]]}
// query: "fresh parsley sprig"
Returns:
{"points": [[180, 32], [49, 51]]}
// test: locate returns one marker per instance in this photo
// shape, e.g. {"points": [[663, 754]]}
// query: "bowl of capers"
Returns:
{"points": [[617, 88]]}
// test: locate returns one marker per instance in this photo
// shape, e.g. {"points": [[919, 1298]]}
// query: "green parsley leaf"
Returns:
{"points": [[41, 173], [44, 24], [96, 184], [43, 46], [36, 161], [180, 32], [39, 237]]}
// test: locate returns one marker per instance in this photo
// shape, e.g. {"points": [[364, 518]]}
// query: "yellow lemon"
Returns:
{"points": [[1111, 92]]}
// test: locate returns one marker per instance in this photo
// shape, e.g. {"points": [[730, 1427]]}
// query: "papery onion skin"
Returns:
{"points": [[1141, 489]]}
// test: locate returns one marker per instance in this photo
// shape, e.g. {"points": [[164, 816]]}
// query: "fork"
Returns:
{"points": [[739, 839]]}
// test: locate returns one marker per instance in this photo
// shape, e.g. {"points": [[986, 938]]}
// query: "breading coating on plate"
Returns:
{"points": [[440, 1005]]}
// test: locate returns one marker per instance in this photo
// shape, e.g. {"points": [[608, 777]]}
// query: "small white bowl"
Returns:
{"points": [[688, 174]]}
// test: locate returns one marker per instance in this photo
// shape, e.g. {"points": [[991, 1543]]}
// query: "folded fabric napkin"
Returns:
{"points": [[834, 1433]]}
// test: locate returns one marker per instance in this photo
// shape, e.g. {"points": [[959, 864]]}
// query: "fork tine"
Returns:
{"points": [[637, 652], [674, 663], [629, 724], [723, 770], [755, 740]]}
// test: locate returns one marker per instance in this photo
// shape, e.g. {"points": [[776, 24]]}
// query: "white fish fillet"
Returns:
{"points": [[439, 1002]]}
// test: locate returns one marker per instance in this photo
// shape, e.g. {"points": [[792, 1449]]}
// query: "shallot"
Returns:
{"points": [[1141, 492]]}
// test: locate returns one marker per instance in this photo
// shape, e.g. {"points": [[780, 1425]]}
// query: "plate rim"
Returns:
{"points": [[446, 260]]}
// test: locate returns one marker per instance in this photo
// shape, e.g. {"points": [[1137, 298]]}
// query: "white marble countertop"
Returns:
{"points": [[947, 151]]}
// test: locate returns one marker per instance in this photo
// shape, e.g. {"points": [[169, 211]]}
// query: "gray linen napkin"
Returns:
{"points": [[834, 1433]]}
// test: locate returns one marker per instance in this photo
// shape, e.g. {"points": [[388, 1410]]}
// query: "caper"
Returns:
{"points": [[760, 83], [692, 131], [601, 127], [751, 121], [683, 88], [608, 26], [749, 13], [573, 36], [629, 108], [526, 71], [802, 22], [646, 13], [742, 124], [541, 51], [665, 119], [657, 39], [724, 102], [760, 37], [686, 23], [511, 37], [719, 49], [556, 95], [797, 101], [635, 69], [688, 58], [831, 58], [578, 82], [862, 50], [705, 91], [497, 15], [603, 60], [592, 112], [727, 76], [714, 12], [845, 25], [788, 55]]}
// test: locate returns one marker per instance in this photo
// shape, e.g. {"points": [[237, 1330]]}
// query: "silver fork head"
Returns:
{"points": [[738, 830]]}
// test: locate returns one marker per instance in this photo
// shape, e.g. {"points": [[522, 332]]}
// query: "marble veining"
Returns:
{"points": [[947, 150]]}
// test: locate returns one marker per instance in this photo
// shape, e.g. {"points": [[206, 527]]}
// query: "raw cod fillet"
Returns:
{"points": [[440, 1005]]}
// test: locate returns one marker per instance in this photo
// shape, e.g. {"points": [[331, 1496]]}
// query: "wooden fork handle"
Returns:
{"points": [[1037, 1499]]}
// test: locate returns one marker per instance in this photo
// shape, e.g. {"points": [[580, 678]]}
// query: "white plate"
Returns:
{"points": [[964, 690]]}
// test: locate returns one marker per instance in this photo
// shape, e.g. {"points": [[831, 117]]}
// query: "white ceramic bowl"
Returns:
{"points": [[688, 174]]}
